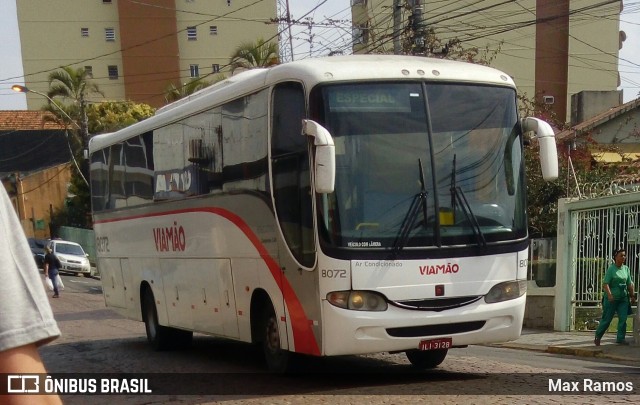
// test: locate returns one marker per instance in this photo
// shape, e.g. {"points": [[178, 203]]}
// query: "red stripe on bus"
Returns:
{"points": [[303, 337]]}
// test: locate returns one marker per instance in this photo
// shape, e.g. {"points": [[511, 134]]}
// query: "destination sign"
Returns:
{"points": [[374, 98]]}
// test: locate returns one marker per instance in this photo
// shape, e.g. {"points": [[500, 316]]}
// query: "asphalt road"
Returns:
{"points": [[97, 342]]}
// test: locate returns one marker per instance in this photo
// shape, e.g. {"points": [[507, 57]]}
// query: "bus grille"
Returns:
{"points": [[438, 304], [433, 330]]}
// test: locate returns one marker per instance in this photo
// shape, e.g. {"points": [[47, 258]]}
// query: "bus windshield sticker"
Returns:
{"points": [[369, 99]]}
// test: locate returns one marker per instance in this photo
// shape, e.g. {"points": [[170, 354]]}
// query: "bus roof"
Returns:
{"points": [[311, 72]]}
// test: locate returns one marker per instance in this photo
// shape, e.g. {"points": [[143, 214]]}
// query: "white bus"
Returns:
{"points": [[330, 206]]}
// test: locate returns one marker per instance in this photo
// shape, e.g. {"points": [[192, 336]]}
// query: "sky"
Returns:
{"points": [[321, 40]]}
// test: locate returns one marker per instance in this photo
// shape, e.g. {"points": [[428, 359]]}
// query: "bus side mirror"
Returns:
{"points": [[325, 156], [547, 142]]}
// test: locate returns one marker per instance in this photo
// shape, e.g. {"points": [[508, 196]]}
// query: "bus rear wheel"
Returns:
{"points": [[161, 337], [425, 359]]}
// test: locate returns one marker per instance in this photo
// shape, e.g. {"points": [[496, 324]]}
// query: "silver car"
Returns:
{"points": [[73, 258]]}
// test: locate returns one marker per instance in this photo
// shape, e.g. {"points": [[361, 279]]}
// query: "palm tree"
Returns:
{"points": [[174, 93], [74, 85], [252, 55]]}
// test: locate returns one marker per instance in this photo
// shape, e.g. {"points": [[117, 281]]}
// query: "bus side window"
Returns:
{"points": [[291, 175], [99, 179]]}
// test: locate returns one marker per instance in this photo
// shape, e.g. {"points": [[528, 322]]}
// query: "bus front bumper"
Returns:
{"points": [[358, 332]]}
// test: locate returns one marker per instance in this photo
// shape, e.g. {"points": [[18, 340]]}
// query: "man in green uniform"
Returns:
{"points": [[619, 289]]}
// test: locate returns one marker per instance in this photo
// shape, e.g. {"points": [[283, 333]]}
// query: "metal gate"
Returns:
{"points": [[597, 232]]}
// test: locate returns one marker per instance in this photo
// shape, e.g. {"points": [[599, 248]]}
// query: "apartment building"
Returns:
{"points": [[135, 49], [552, 49]]}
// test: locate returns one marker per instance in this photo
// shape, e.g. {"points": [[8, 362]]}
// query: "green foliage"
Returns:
{"points": [[71, 87], [250, 55], [110, 116], [71, 84], [542, 196], [76, 211], [176, 92]]}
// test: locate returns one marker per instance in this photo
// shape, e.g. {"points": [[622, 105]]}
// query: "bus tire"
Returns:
{"points": [[277, 359], [425, 359], [159, 337]]}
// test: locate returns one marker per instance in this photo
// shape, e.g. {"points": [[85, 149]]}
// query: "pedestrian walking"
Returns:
{"points": [[27, 320], [51, 269], [619, 295]]}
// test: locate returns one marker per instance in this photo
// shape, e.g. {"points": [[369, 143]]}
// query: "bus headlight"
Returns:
{"points": [[508, 290], [358, 300]]}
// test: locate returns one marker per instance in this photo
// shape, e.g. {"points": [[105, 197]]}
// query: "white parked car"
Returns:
{"points": [[73, 258]]}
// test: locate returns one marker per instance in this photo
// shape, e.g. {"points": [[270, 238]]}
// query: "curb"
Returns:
{"points": [[586, 352], [576, 351], [592, 352], [519, 346]]}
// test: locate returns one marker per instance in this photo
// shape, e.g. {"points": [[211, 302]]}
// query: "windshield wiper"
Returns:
{"points": [[457, 196], [419, 201]]}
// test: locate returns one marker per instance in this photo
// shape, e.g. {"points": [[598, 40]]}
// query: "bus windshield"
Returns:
{"points": [[422, 164]]}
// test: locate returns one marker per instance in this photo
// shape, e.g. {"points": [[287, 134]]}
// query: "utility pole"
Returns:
{"points": [[289, 28], [285, 39], [418, 28], [397, 29]]}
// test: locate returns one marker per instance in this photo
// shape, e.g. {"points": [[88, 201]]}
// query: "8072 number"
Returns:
{"points": [[325, 273]]}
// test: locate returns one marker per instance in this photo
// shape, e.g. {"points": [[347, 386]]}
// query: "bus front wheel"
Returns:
{"points": [[277, 359], [424, 359]]}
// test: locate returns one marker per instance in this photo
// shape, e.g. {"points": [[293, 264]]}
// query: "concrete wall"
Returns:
{"points": [[588, 104], [538, 313], [38, 195]]}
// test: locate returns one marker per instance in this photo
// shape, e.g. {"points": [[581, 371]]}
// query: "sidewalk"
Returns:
{"points": [[575, 344]]}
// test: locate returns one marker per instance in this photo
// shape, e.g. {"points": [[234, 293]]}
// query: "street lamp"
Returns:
{"points": [[24, 89]]}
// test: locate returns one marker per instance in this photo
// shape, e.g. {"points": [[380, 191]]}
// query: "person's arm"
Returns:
{"points": [[631, 289], [24, 360], [608, 276], [608, 291]]}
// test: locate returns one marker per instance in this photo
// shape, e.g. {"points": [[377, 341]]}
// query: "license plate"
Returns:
{"points": [[435, 344]]}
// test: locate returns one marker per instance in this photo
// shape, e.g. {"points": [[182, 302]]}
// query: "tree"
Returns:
{"points": [[72, 85], [253, 55], [110, 116], [176, 92]]}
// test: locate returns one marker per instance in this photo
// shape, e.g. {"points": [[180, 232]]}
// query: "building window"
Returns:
{"points": [[106, 1], [113, 72], [195, 71], [215, 68], [89, 71], [192, 33], [213, 30], [110, 34], [84, 32]]}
